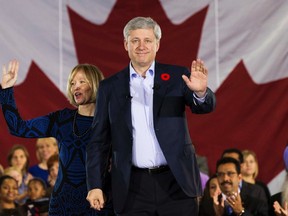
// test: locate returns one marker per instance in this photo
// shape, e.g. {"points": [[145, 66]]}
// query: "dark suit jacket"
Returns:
{"points": [[253, 198], [112, 131]]}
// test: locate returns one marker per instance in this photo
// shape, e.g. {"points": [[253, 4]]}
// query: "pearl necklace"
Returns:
{"points": [[74, 125]]}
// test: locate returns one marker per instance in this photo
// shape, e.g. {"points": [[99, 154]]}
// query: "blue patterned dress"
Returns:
{"points": [[73, 133]]}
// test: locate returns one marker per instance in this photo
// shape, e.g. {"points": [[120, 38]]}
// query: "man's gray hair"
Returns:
{"points": [[142, 23]]}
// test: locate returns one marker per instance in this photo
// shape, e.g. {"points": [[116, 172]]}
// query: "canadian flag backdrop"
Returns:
{"points": [[243, 44]]}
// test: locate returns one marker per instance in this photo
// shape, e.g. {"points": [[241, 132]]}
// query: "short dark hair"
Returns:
{"points": [[226, 160], [4, 177], [234, 150], [39, 180]]}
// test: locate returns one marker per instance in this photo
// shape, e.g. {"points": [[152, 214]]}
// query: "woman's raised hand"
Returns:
{"points": [[9, 75]]}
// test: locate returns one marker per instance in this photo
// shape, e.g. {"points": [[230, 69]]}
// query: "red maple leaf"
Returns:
{"points": [[36, 96]]}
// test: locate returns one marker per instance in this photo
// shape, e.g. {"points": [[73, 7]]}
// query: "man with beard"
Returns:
{"points": [[236, 200]]}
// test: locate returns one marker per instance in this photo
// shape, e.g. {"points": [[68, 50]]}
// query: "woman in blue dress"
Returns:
{"points": [[71, 128]]}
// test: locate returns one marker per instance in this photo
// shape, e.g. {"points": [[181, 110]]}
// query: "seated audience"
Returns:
{"points": [[279, 201], [45, 148], [18, 157], [250, 170], [235, 198], [38, 202], [8, 195]]}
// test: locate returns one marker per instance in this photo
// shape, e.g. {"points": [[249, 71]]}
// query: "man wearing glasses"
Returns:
{"points": [[234, 200]]}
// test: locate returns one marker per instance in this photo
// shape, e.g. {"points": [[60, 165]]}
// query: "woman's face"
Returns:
{"points": [[214, 188], [19, 159], [45, 149], [249, 166], [81, 89], [8, 191]]}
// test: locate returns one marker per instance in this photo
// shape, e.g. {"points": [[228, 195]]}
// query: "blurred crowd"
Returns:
{"points": [[25, 189]]}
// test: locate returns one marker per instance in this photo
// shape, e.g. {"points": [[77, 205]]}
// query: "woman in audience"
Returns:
{"points": [[18, 157], [8, 195], [45, 147], [250, 170], [211, 190], [72, 129]]}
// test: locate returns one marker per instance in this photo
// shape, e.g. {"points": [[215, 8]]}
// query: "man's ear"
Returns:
{"points": [[125, 45], [157, 46]]}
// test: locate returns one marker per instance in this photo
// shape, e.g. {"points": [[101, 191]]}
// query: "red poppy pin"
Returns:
{"points": [[165, 76]]}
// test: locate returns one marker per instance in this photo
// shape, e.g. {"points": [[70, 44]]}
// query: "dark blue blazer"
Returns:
{"points": [[112, 131]]}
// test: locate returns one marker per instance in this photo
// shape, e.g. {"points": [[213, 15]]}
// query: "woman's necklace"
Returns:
{"points": [[74, 126]]}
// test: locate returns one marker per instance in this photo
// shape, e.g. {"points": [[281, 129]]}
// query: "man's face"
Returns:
{"points": [[142, 47], [228, 178]]}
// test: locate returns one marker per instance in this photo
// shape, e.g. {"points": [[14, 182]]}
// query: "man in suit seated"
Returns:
{"points": [[235, 200]]}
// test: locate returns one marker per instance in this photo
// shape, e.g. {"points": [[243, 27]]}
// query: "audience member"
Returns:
{"points": [[45, 147], [14, 172], [53, 167], [279, 201], [18, 157], [233, 153], [212, 187], [211, 190], [17, 175], [72, 129], [38, 202], [8, 195], [235, 199], [250, 170]]}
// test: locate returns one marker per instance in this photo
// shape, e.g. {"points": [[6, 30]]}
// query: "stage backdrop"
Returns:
{"points": [[243, 43]]}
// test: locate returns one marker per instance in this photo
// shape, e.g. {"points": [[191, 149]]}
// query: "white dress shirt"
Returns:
{"points": [[146, 151]]}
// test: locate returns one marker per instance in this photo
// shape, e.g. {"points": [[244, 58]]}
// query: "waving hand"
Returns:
{"points": [[197, 81], [9, 75]]}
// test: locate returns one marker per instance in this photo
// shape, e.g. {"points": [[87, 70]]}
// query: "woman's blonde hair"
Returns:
{"points": [[246, 153], [50, 140], [93, 76]]}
